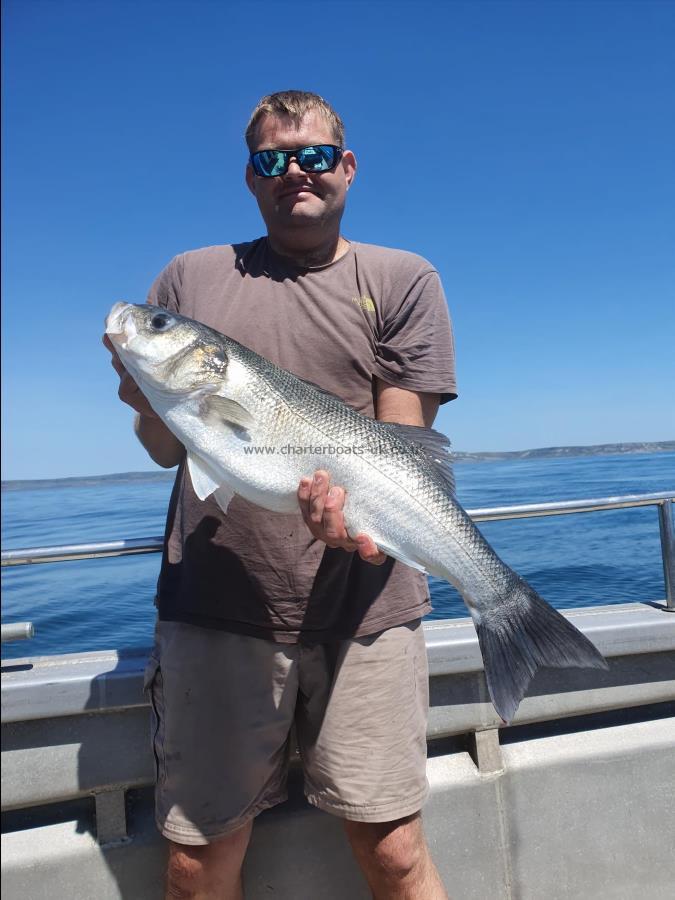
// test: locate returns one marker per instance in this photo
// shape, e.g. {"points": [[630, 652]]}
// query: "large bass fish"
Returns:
{"points": [[243, 420]]}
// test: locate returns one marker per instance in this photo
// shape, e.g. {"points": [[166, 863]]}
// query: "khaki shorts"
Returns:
{"points": [[223, 706]]}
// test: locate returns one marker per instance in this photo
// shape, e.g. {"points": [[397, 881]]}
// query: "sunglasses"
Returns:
{"points": [[317, 158]]}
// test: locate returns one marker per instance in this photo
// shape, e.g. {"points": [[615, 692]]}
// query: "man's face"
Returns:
{"points": [[300, 199]]}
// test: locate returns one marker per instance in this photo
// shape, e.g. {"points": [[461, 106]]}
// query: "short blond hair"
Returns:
{"points": [[294, 106]]}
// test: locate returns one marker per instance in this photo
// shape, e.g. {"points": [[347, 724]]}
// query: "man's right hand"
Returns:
{"points": [[163, 446]]}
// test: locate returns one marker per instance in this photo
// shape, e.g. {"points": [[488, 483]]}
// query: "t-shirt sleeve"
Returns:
{"points": [[415, 349], [166, 288]]}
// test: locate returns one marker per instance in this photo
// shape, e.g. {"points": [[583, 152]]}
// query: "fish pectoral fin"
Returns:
{"points": [[222, 409], [204, 480]]}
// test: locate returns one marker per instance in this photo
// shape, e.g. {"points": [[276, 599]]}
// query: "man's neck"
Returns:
{"points": [[310, 255]]}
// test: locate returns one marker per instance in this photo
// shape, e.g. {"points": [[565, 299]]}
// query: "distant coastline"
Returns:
{"points": [[458, 457], [560, 452]]}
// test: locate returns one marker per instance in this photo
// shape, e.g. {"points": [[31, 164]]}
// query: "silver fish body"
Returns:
{"points": [[253, 429]]}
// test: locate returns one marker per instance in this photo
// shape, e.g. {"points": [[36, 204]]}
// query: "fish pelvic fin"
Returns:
{"points": [[223, 496], [521, 635], [206, 482], [204, 479]]}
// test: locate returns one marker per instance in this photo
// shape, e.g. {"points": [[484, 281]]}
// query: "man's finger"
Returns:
{"points": [[128, 387], [369, 551], [304, 490], [115, 361], [118, 365], [318, 495], [333, 518]]}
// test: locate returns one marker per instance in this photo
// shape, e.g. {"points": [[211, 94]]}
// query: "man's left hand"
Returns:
{"points": [[321, 505]]}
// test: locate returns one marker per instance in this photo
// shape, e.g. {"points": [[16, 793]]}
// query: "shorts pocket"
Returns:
{"points": [[153, 687]]}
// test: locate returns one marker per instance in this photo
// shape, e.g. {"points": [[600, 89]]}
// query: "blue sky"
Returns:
{"points": [[527, 149]]}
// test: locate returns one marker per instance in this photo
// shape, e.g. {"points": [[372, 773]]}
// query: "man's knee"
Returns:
{"points": [[185, 871], [216, 865], [397, 849]]}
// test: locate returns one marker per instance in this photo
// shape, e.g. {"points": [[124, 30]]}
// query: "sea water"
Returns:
{"points": [[584, 559]]}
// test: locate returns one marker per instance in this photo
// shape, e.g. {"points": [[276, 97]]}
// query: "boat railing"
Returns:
{"points": [[662, 500]]}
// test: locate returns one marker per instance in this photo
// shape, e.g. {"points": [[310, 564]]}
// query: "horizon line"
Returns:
{"points": [[626, 447]]}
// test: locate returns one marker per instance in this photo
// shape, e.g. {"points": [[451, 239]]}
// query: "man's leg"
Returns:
{"points": [[222, 708], [395, 859], [209, 871], [361, 725]]}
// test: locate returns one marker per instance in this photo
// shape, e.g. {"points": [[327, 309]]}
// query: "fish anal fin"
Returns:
{"points": [[401, 558]]}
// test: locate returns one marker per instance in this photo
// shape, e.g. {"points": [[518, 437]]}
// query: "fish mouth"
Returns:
{"points": [[118, 324]]}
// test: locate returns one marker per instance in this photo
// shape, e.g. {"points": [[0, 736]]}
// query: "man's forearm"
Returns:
{"points": [[164, 447]]}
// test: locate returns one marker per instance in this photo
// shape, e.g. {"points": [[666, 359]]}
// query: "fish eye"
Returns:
{"points": [[161, 321]]}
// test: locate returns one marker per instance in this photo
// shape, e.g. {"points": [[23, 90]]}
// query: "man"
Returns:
{"points": [[265, 620]]}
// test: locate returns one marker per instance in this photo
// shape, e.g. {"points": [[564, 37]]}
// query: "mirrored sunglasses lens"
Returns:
{"points": [[316, 159], [269, 162]]}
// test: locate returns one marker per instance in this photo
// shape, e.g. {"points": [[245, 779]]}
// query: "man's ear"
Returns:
{"points": [[348, 163], [250, 178]]}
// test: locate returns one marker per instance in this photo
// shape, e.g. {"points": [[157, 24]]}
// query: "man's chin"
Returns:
{"points": [[299, 203], [299, 213]]}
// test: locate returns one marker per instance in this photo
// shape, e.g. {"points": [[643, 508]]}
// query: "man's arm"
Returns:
{"points": [[164, 447], [395, 404], [321, 504]]}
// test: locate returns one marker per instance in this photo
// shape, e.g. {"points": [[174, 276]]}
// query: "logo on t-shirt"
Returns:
{"points": [[366, 303]]}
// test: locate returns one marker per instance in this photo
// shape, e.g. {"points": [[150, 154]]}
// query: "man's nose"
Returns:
{"points": [[294, 168]]}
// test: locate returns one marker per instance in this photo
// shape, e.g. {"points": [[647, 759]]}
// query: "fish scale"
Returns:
{"points": [[222, 400]]}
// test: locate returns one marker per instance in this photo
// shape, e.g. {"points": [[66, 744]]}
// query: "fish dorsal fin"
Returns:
{"points": [[204, 480], [216, 408], [436, 447]]}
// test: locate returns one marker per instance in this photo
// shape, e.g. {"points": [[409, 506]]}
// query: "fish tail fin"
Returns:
{"points": [[522, 635]]}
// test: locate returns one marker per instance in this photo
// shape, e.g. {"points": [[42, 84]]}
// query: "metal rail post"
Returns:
{"points": [[668, 550], [17, 631]]}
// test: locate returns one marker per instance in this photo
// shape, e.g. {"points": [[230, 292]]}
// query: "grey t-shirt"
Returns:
{"points": [[373, 312]]}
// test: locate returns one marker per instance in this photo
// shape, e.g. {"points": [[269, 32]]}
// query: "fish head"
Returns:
{"points": [[165, 351]]}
